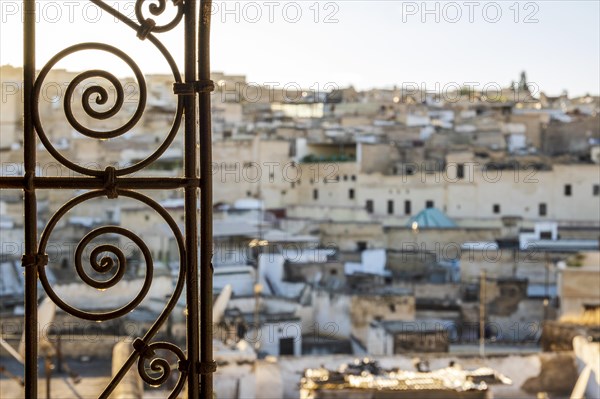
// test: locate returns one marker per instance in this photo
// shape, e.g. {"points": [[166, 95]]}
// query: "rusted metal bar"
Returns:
{"points": [[96, 183], [11, 182], [29, 202], [191, 202], [482, 299], [114, 182], [206, 203]]}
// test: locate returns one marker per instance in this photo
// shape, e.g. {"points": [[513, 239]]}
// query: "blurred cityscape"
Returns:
{"points": [[452, 234]]}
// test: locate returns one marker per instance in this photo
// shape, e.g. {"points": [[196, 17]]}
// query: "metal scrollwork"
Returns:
{"points": [[161, 366], [106, 264], [99, 91], [101, 98], [99, 95], [157, 10], [106, 259]]}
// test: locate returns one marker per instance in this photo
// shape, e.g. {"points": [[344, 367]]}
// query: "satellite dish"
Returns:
{"points": [[11, 351], [46, 312], [221, 304]]}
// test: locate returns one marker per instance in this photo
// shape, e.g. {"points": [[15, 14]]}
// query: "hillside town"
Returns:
{"points": [[362, 238]]}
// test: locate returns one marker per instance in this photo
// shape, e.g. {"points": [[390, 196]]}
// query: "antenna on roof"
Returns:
{"points": [[46, 312]]}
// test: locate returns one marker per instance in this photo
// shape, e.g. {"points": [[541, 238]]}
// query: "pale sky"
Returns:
{"points": [[364, 43]]}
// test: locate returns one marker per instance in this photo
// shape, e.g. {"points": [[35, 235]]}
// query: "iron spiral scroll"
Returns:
{"points": [[144, 351], [144, 27]]}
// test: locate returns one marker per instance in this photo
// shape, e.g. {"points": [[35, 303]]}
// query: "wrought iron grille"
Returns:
{"points": [[192, 88]]}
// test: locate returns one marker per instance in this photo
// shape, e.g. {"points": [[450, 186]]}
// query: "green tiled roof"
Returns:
{"points": [[431, 218]]}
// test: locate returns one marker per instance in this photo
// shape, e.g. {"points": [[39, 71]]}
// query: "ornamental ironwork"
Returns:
{"points": [[192, 87]]}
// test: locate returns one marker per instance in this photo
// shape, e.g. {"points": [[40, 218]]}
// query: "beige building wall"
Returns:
{"points": [[398, 189], [366, 308], [522, 192], [377, 157], [151, 228], [445, 241], [345, 235], [531, 265], [578, 286], [344, 184], [345, 315], [534, 124], [11, 105]]}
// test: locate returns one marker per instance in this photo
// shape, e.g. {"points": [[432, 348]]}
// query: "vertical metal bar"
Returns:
{"points": [[48, 375], [206, 229], [482, 299], [191, 203], [546, 285], [29, 201]]}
